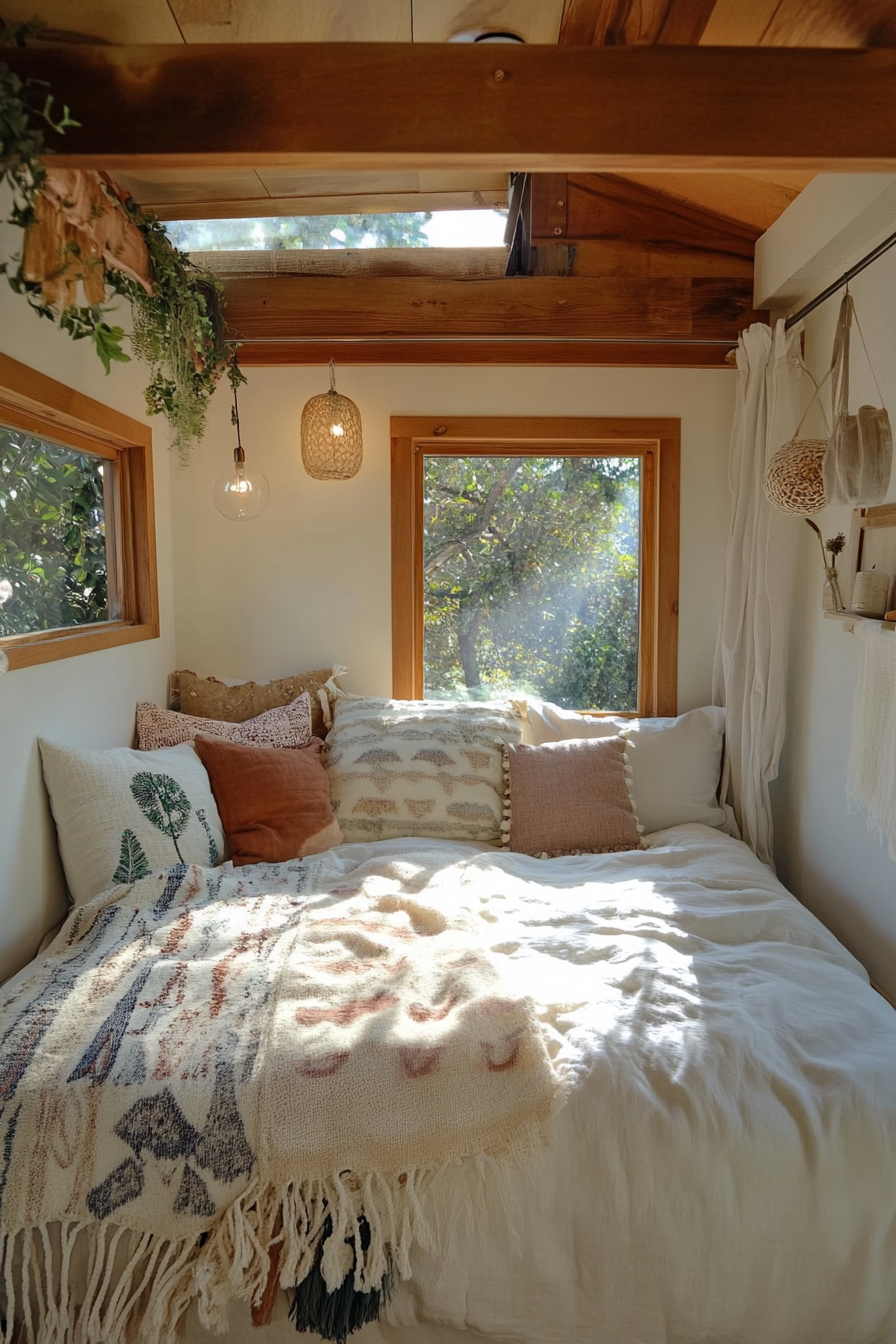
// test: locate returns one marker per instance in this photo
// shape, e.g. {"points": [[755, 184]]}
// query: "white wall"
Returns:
{"points": [[87, 700], [826, 855], [308, 583]]}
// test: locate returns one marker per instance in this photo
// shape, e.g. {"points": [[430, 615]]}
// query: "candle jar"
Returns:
{"points": [[870, 592]]}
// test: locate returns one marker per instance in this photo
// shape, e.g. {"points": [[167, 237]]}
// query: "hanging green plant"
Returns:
{"points": [[178, 330], [82, 231]]}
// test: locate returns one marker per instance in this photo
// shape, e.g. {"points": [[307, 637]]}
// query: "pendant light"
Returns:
{"points": [[237, 495], [331, 435]]}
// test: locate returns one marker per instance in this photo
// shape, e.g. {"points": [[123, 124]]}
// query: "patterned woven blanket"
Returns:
{"points": [[216, 1084]]}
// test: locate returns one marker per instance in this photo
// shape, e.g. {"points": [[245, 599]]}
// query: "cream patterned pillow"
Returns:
{"points": [[286, 726], [419, 768], [121, 814]]}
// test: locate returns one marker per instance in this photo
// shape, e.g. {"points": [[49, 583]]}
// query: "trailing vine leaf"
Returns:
{"points": [[214, 858], [163, 803], [132, 863], [107, 342]]}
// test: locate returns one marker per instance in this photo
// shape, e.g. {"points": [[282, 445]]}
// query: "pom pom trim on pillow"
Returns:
{"points": [[570, 797], [419, 768]]}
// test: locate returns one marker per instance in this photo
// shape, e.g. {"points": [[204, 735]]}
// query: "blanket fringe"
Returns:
{"points": [[94, 1283]]}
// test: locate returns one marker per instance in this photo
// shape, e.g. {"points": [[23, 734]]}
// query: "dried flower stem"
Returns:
{"points": [[817, 530], [834, 545]]}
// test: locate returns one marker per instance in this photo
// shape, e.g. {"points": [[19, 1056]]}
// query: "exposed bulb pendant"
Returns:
{"points": [[237, 495], [331, 435]]}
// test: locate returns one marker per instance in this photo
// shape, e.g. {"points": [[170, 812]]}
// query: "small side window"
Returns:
{"points": [[77, 544], [54, 569]]}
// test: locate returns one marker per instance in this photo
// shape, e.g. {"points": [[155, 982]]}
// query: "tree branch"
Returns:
{"points": [[480, 521]]}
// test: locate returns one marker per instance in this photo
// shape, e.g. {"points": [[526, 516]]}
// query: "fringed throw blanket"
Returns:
{"points": [[215, 1084]]}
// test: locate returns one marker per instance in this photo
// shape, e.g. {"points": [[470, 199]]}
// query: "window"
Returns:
{"points": [[441, 228], [77, 537], [537, 555]]}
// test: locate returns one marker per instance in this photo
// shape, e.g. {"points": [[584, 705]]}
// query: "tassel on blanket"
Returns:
{"points": [[336, 1315], [333, 1242]]}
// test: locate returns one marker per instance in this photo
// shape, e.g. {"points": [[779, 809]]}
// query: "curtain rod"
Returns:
{"points": [[844, 280]]}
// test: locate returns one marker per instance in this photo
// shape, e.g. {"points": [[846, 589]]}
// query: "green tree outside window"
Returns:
{"points": [[53, 569], [531, 569]]}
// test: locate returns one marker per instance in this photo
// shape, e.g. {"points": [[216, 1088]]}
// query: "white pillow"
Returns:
{"points": [[676, 766], [419, 768], [121, 814], [545, 722]]}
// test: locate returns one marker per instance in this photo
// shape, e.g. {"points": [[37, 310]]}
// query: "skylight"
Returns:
{"points": [[444, 228]]}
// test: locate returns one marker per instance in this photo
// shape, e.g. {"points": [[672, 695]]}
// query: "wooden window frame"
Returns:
{"points": [[656, 441], [39, 405]]}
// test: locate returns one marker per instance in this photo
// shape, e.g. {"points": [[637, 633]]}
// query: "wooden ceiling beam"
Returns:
{"points": [[383, 106], [409, 308], [282, 207], [617, 354], [348, 263]]}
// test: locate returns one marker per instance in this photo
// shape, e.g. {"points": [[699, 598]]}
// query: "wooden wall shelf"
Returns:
{"points": [[850, 618]]}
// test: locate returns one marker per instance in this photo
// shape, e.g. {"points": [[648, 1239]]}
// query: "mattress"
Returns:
{"points": [[724, 1165]]}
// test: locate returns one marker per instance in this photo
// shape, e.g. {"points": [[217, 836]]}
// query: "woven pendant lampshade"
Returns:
{"points": [[331, 435], [793, 478]]}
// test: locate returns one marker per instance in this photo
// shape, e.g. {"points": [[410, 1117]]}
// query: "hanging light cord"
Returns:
{"points": [[332, 375], [238, 453]]}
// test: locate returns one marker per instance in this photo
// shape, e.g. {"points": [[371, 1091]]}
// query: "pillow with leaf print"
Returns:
{"points": [[121, 814]]}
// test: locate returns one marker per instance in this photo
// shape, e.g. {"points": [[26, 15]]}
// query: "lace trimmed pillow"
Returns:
{"points": [[419, 768], [571, 797], [286, 726]]}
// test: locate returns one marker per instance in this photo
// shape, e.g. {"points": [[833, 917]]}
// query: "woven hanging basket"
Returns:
{"points": [[793, 478], [331, 435]]}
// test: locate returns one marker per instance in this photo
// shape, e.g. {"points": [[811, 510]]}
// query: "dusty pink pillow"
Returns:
{"points": [[569, 797], [285, 726]]}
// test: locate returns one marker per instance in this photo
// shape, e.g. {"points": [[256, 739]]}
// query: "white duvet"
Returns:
{"points": [[725, 1167]]}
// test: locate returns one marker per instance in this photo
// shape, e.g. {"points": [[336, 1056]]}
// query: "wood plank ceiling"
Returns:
{"points": [[621, 266]]}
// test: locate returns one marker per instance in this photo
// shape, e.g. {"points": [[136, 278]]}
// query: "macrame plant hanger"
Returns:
{"points": [[859, 456]]}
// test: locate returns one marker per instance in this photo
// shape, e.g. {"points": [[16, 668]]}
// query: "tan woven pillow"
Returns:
{"points": [[569, 797], [209, 698]]}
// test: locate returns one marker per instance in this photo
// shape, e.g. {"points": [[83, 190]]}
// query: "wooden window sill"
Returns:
{"points": [[45, 646]]}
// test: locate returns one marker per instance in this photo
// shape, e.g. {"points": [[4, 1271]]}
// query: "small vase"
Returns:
{"points": [[830, 597]]}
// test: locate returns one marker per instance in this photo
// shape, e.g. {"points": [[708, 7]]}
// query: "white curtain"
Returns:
{"points": [[751, 651]]}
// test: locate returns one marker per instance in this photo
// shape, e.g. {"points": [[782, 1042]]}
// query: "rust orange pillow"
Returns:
{"points": [[274, 802]]}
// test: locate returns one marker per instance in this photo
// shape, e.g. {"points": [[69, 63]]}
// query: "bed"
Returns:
{"points": [[716, 1160]]}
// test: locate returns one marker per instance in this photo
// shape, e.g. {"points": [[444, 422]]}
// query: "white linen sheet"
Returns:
{"points": [[725, 1167]]}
